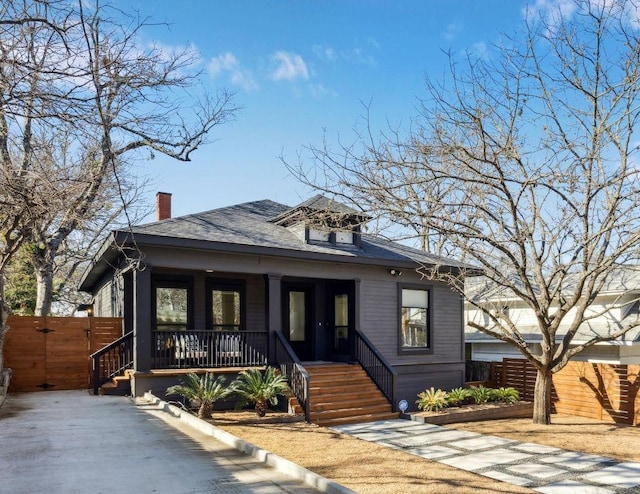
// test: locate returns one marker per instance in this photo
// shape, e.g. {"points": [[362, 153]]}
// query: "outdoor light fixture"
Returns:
{"points": [[86, 307], [395, 272]]}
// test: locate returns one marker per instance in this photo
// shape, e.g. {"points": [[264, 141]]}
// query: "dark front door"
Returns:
{"points": [[297, 319], [340, 320]]}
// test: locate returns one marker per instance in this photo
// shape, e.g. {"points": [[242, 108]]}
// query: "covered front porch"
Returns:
{"points": [[250, 320], [229, 319]]}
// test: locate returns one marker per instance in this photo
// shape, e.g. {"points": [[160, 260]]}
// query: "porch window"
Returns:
{"points": [[226, 306], [172, 308], [415, 324]]}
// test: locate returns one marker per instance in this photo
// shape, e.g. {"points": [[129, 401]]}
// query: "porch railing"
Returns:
{"points": [[377, 367], [290, 366], [111, 360], [208, 348]]}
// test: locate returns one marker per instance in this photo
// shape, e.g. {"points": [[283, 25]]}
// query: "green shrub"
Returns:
{"points": [[204, 390], [506, 395], [480, 394], [458, 396], [432, 400], [259, 388]]}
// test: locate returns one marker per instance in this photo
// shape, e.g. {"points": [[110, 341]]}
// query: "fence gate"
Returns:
{"points": [[52, 352]]}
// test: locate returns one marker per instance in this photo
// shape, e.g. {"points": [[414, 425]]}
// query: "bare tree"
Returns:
{"points": [[57, 251], [527, 163], [81, 69]]}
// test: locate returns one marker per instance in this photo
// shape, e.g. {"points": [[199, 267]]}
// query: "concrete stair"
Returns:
{"points": [[118, 386], [344, 394]]}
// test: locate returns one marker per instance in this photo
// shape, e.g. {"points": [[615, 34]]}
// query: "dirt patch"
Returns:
{"points": [[365, 467], [573, 433]]}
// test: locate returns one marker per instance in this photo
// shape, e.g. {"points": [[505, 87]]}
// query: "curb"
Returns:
{"points": [[268, 458]]}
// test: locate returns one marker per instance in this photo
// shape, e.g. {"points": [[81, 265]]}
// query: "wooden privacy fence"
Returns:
{"points": [[607, 392], [53, 352]]}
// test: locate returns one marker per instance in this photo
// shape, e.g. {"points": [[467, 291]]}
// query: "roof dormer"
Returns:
{"points": [[320, 220]]}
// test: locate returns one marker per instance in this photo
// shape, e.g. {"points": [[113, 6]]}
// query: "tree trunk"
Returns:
{"points": [[4, 315], [43, 265], [542, 397], [261, 408], [205, 410]]}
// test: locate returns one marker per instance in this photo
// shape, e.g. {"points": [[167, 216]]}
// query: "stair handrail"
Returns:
{"points": [[377, 367], [124, 361], [290, 365]]}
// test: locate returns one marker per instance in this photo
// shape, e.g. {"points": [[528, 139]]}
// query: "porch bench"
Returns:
{"points": [[189, 347], [229, 348]]}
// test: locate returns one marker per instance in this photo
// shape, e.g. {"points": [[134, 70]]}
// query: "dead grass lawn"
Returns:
{"points": [[365, 467], [370, 468]]}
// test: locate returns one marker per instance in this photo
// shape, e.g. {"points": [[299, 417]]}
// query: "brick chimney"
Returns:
{"points": [[163, 206]]}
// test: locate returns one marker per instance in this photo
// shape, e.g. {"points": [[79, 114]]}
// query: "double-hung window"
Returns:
{"points": [[415, 319], [226, 305], [172, 297]]}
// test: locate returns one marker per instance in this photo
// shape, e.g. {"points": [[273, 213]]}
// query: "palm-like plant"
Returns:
{"points": [[205, 389], [261, 388]]}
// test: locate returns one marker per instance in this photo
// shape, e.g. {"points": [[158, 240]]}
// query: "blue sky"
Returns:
{"points": [[301, 69]]}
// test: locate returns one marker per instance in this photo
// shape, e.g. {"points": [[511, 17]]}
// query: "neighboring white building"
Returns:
{"points": [[616, 306]]}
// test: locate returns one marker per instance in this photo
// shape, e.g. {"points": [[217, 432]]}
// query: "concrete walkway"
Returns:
{"points": [[70, 442], [541, 468]]}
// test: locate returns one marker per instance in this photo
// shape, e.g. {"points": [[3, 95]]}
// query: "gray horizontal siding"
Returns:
{"points": [[379, 321], [108, 300], [412, 380]]}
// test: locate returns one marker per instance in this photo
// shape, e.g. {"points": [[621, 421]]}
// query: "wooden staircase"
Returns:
{"points": [[344, 394], [119, 385]]}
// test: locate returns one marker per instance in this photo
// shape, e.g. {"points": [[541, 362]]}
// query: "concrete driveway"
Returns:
{"points": [[71, 442]]}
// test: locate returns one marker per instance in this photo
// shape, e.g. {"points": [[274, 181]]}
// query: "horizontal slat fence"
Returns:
{"points": [[607, 392], [53, 352]]}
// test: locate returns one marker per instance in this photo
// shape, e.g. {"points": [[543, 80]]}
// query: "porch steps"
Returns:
{"points": [[344, 394], [118, 386], [293, 406]]}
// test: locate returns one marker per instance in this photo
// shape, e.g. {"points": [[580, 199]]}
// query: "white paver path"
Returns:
{"points": [[542, 468]]}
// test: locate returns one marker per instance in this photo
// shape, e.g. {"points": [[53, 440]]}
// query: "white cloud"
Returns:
{"points": [[480, 50], [288, 67], [353, 55], [552, 12], [228, 63], [225, 62], [326, 53], [318, 91], [188, 53], [452, 31]]}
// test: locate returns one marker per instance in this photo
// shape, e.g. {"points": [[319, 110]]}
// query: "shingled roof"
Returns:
{"points": [[250, 228], [252, 224]]}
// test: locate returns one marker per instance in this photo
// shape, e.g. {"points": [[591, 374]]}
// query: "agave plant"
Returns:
{"points": [[481, 395], [506, 395], [432, 400], [458, 396], [259, 388], [204, 389]]}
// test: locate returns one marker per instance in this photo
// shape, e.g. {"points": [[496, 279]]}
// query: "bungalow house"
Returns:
{"points": [[616, 305], [344, 314]]}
